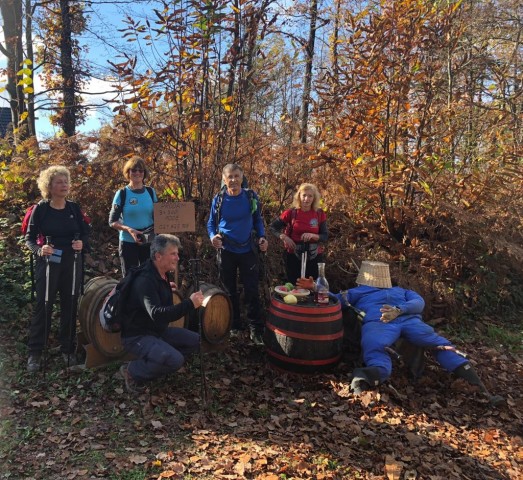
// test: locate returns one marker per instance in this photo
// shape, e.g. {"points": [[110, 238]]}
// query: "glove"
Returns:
{"points": [[307, 283], [389, 313]]}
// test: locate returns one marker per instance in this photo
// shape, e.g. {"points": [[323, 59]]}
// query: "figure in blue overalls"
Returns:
{"points": [[391, 313]]}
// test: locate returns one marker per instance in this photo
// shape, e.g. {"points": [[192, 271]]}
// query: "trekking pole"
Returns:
{"points": [[219, 266], [73, 294], [195, 267], [46, 305], [32, 270]]}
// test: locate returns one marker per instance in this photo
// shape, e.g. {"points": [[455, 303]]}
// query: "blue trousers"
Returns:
{"points": [[375, 336], [158, 356]]}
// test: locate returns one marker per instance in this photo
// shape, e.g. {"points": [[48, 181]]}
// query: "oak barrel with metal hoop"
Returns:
{"points": [[304, 337], [95, 291], [216, 312]]}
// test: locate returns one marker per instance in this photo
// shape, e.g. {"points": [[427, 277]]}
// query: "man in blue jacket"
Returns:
{"points": [[236, 230], [391, 313]]}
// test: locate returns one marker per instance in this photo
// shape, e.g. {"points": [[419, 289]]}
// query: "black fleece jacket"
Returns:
{"points": [[150, 305], [61, 225]]}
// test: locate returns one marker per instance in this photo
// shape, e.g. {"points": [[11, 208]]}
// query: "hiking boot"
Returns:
{"points": [[358, 386], [364, 379], [496, 400], [131, 385], [468, 373], [33, 362], [235, 333], [257, 338], [70, 359]]}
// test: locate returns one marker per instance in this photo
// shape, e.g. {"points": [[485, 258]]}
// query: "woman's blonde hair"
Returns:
{"points": [[47, 176], [296, 203], [135, 162]]}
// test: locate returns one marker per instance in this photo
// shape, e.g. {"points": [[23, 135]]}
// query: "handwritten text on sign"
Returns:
{"points": [[174, 217]]}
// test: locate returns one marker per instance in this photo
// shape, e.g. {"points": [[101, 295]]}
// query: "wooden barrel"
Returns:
{"points": [[177, 299], [216, 314], [95, 291], [304, 337]]}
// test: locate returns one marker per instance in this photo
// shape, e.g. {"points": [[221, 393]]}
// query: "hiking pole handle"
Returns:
{"points": [[75, 239], [47, 242]]}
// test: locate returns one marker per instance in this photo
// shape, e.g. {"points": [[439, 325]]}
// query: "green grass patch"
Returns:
{"points": [[506, 337], [500, 336]]}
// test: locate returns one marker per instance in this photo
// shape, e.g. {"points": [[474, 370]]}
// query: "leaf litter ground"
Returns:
{"points": [[259, 423]]}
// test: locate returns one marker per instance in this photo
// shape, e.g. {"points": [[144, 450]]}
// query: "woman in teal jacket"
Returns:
{"points": [[132, 215]]}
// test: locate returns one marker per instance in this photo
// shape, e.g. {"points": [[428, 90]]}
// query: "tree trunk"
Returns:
{"points": [[335, 37], [307, 77], [29, 12], [68, 73], [12, 15]]}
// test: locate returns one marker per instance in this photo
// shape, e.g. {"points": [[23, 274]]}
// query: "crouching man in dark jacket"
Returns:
{"points": [[159, 349]]}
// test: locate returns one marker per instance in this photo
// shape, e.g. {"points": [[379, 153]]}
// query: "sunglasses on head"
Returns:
{"points": [[137, 170]]}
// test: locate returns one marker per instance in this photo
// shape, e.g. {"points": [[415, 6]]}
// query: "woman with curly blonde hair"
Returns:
{"points": [[302, 228], [56, 234]]}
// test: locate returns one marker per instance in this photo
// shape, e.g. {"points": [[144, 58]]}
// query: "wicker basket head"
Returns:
{"points": [[374, 274]]}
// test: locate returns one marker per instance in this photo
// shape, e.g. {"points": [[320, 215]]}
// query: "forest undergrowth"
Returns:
{"points": [[258, 422]]}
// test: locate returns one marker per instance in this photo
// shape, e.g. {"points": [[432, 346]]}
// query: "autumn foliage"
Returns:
{"points": [[407, 114], [414, 135]]}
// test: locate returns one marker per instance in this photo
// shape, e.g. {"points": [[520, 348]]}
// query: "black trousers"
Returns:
{"points": [[247, 265], [132, 255], [61, 282], [293, 267]]}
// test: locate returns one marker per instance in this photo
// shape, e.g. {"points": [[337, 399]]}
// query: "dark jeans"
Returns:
{"points": [[132, 255], [60, 281], [158, 356], [293, 267], [247, 265]]}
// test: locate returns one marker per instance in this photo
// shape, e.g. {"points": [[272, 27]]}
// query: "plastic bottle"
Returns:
{"points": [[321, 292]]}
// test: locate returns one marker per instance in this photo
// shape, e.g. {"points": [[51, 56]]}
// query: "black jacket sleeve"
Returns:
{"points": [[85, 229], [34, 229], [115, 214], [323, 233], [152, 306]]}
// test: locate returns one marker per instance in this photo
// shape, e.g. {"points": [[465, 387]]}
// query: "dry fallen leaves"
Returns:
{"points": [[393, 468]]}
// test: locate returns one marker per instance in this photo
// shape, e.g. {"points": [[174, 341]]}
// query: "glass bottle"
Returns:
{"points": [[321, 291]]}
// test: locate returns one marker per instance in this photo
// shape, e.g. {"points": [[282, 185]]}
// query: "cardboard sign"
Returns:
{"points": [[174, 217]]}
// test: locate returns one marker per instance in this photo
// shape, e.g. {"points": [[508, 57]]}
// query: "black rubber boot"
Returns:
{"points": [[466, 372], [413, 357], [365, 379]]}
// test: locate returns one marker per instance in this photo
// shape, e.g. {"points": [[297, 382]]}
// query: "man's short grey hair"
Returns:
{"points": [[162, 241], [231, 167]]}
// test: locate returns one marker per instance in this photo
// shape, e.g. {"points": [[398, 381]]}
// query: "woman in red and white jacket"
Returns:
{"points": [[302, 228]]}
